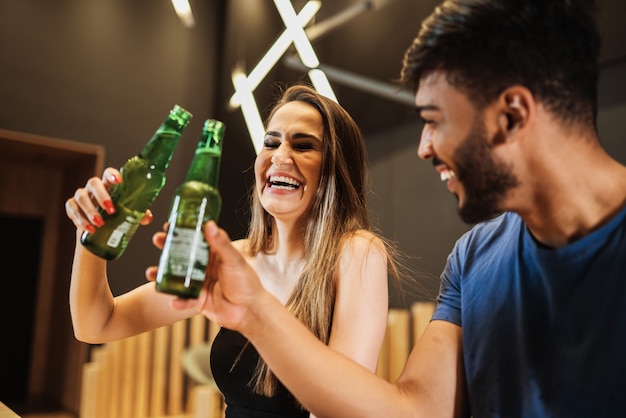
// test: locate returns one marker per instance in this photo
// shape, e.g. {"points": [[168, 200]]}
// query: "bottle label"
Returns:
{"points": [[116, 237], [189, 254]]}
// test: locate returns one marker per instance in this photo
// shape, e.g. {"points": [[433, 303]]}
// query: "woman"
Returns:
{"points": [[310, 241]]}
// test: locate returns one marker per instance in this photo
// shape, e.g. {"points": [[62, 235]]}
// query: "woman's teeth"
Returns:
{"points": [[282, 182]]}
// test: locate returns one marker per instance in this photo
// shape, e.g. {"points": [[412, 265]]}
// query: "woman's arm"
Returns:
{"points": [[97, 316], [361, 302]]}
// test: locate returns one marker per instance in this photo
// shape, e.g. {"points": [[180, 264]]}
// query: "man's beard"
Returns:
{"points": [[485, 180]]}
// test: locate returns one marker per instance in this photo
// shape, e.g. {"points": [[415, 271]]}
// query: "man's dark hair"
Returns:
{"points": [[484, 46]]}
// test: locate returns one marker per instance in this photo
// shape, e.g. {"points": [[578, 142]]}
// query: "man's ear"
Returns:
{"points": [[516, 104]]}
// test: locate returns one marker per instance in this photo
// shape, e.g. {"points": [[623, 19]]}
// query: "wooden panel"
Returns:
{"points": [[126, 376], [37, 175], [6, 412]]}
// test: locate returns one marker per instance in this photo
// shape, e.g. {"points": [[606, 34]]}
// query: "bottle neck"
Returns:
{"points": [[205, 166], [160, 149]]}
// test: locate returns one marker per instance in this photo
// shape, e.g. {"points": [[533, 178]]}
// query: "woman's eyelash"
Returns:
{"points": [[300, 146], [303, 146]]}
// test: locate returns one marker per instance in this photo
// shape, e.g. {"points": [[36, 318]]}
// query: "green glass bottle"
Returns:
{"points": [[143, 178], [185, 254]]}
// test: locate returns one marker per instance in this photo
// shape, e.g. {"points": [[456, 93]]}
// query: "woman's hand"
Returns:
{"points": [[82, 208]]}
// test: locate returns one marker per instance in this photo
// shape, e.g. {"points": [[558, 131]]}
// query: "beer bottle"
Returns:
{"points": [[185, 254], [143, 178]]}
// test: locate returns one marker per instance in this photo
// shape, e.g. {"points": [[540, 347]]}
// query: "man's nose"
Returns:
{"points": [[425, 148]]}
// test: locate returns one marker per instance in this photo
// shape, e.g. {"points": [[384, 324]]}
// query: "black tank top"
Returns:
{"points": [[233, 381]]}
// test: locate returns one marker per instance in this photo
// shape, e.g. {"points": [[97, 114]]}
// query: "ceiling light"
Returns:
{"points": [[183, 10], [300, 40], [277, 50], [321, 83], [293, 33], [249, 109]]}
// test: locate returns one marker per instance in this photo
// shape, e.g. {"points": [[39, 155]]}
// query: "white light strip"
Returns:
{"points": [[321, 83], [277, 50], [249, 109], [294, 32], [303, 46], [304, 49], [183, 10]]}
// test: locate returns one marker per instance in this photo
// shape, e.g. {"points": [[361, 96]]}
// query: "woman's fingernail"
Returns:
{"points": [[97, 219], [90, 228], [149, 215], [108, 206]]}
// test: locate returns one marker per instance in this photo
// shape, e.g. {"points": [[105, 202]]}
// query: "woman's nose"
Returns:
{"points": [[282, 155]]}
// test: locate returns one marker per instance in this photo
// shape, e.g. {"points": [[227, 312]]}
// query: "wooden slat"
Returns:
{"points": [[399, 341], [102, 355], [198, 330], [176, 377], [207, 402], [421, 313], [117, 365], [159, 372], [214, 328], [90, 390], [129, 374], [382, 369], [144, 346]]}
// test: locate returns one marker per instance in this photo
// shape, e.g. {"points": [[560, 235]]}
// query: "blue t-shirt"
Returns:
{"points": [[544, 330]]}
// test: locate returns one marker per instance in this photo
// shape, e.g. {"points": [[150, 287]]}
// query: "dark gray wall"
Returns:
{"points": [[107, 72]]}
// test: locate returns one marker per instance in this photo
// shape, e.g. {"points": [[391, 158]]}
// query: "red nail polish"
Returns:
{"points": [[97, 219], [108, 206], [90, 228]]}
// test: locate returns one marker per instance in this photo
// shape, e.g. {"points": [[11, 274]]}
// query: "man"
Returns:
{"points": [[531, 315]]}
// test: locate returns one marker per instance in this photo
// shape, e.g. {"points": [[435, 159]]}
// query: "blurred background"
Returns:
{"points": [[96, 78]]}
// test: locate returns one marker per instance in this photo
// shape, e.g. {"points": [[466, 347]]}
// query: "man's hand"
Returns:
{"points": [[231, 287]]}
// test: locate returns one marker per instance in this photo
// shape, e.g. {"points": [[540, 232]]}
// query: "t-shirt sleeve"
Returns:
{"points": [[449, 298]]}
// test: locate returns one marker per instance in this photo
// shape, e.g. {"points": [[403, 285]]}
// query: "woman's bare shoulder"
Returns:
{"points": [[362, 239], [240, 245]]}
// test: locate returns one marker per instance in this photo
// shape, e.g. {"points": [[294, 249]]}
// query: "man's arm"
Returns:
{"points": [[325, 381]]}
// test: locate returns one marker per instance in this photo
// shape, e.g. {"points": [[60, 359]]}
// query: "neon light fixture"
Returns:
{"points": [[293, 33], [183, 10]]}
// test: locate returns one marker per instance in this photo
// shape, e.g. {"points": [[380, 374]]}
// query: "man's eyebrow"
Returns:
{"points": [[423, 108]]}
